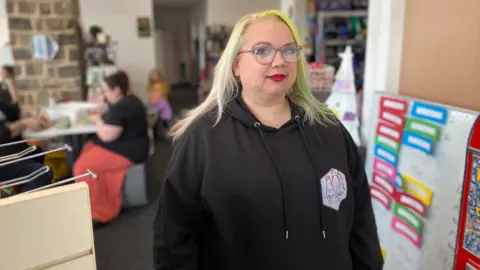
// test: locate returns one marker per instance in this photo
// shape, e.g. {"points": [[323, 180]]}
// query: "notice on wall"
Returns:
{"points": [[416, 165]]}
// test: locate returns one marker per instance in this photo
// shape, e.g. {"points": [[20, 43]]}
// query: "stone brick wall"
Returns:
{"points": [[37, 80]]}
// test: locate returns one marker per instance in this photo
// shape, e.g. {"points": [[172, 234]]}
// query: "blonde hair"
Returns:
{"points": [[155, 75], [225, 87]]}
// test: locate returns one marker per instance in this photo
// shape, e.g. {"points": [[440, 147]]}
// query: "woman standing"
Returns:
{"points": [[120, 142], [262, 176]]}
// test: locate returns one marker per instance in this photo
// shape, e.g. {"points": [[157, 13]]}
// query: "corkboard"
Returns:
{"points": [[441, 52]]}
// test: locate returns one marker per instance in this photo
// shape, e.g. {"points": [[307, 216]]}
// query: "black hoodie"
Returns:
{"points": [[244, 196]]}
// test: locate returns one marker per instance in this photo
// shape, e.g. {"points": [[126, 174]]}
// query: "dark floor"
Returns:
{"points": [[126, 243]]}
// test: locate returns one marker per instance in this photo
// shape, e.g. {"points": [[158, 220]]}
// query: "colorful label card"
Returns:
{"points": [[418, 142], [409, 216], [411, 202], [424, 128], [394, 104], [387, 143], [384, 168], [398, 181], [408, 232], [417, 189], [429, 112], [392, 117], [386, 155], [383, 183], [379, 195], [390, 131]]}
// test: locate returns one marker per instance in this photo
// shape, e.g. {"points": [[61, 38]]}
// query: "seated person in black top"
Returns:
{"points": [[11, 128], [120, 142]]}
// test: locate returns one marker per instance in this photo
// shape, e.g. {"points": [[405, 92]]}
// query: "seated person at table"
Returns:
{"points": [[8, 90], [11, 128], [120, 142]]}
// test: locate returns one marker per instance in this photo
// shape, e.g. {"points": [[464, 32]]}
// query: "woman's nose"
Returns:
{"points": [[278, 60]]}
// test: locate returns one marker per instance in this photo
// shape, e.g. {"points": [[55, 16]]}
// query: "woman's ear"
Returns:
{"points": [[235, 68]]}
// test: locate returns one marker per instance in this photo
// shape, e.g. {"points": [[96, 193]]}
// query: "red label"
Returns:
{"points": [[399, 106], [393, 132], [411, 202], [383, 183], [392, 117], [381, 196]]}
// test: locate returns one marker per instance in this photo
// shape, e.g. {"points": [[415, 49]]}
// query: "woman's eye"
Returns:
{"points": [[290, 50], [262, 51]]}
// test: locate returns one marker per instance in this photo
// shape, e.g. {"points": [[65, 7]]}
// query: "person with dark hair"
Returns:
{"points": [[94, 31], [8, 89], [121, 141]]}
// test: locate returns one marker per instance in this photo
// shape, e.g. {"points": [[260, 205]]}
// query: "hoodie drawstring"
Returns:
{"points": [[317, 176], [280, 177], [257, 125]]}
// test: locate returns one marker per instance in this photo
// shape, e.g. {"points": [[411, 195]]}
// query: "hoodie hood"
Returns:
{"points": [[238, 110]]}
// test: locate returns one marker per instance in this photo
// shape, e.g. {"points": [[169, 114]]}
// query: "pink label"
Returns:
{"points": [[384, 183], [408, 232], [381, 196], [384, 168]]}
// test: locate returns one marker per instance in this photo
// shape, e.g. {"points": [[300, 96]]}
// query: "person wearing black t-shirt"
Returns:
{"points": [[120, 142]]}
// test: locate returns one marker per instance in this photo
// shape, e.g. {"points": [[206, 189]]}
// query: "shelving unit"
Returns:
{"points": [[336, 30]]}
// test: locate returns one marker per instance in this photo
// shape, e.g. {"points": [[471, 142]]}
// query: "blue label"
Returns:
{"points": [[429, 112], [398, 181], [386, 155], [417, 142]]}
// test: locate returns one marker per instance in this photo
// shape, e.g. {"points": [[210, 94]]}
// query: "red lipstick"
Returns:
{"points": [[277, 77]]}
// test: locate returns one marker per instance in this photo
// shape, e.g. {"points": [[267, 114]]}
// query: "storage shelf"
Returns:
{"points": [[343, 13]]}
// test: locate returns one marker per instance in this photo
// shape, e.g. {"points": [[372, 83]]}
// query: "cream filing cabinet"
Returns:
{"points": [[49, 229]]}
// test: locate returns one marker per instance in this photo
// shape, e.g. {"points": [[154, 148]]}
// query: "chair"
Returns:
{"points": [[135, 187]]}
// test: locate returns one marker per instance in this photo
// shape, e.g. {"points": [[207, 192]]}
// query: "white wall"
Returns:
{"points": [[384, 54], [167, 56], [228, 12], [299, 13], [118, 18], [4, 33], [175, 20]]}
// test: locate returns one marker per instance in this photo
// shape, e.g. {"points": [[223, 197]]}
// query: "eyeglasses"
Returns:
{"points": [[265, 54]]}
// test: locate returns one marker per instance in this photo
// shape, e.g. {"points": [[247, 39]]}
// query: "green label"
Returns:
{"points": [[423, 128], [387, 143], [410, 217]]}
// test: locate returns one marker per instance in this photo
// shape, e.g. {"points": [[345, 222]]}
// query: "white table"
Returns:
{"points": [[60, 132]]}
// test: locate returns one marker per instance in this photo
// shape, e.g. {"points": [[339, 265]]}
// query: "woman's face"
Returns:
{"points": [[111, 95], [267, 60]]}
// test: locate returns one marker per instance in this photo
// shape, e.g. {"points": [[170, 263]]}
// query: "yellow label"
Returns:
{"points": [[478, 174], [384, 253], [417, 189]]}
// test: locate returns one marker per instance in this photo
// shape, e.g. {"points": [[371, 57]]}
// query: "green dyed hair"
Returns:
{"points": [[225, 86]]}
